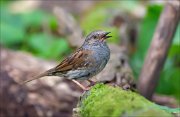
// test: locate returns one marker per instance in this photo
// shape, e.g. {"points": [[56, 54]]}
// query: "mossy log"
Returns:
{"points": [[103, 100]]}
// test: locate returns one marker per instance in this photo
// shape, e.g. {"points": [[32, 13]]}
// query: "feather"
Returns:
{"points": [[47, 73]]}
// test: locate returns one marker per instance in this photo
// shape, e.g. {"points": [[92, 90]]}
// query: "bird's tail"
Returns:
{"points": [[47, 73]]}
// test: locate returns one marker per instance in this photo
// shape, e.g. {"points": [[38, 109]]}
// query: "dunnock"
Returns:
{"points": [[86, 62]]}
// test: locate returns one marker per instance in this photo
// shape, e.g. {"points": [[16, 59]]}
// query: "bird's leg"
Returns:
{"points": [[92, 83], [81, 86]]}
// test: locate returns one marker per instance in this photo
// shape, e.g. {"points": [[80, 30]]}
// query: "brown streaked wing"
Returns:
{"points": [[74, 61]]}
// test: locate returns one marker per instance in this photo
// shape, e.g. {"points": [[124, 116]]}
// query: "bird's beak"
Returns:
{"points": [[105, 36]]}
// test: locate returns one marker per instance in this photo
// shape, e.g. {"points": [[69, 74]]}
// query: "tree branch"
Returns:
{"points": [[158, 50]]}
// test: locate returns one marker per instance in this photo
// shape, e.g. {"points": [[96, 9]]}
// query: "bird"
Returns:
{"points": [[86, 62]]}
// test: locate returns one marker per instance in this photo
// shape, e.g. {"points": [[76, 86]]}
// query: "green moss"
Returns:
{"points": [[103, 100]]}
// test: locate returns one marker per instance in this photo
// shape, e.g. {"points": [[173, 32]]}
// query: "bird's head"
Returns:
{"points": [[97, 36]]}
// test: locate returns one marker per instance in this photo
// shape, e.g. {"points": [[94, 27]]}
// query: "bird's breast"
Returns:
{"points": [[102, 52], [101, 55]]}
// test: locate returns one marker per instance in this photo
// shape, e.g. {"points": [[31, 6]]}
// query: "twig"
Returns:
{"points": [[159, 47], [165, 100]]}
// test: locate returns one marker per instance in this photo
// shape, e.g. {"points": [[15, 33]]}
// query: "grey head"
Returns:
{"points": [[98, 36]]}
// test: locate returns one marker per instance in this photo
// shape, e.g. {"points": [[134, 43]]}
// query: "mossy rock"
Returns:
{"points": [[103, 100]]}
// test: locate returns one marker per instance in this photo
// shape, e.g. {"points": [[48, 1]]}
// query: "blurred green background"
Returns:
{"points": [[26, 32]]}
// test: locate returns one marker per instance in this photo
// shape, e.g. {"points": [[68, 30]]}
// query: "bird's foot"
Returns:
{"points": [[81, 86], [92, 83], [87, 88]]}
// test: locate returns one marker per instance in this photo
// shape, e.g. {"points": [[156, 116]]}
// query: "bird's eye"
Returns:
{"points": [[95, 37]]}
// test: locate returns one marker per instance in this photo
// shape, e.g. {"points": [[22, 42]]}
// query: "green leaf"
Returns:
{"points": [[175, 47], [48, 47], [58, 48], [169, 82], [11, 35], [53, 23], [34, 18], [39, 44], [147, 29], [11, 28]]}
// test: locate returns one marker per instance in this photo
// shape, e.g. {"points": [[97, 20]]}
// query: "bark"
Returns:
{"points": [[158, 50]]}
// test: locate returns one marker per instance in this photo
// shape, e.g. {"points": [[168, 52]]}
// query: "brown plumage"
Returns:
{"points": [[72, 62]]}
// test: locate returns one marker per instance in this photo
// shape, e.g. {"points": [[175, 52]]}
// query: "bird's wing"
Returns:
{"points": [[75, 61]]}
